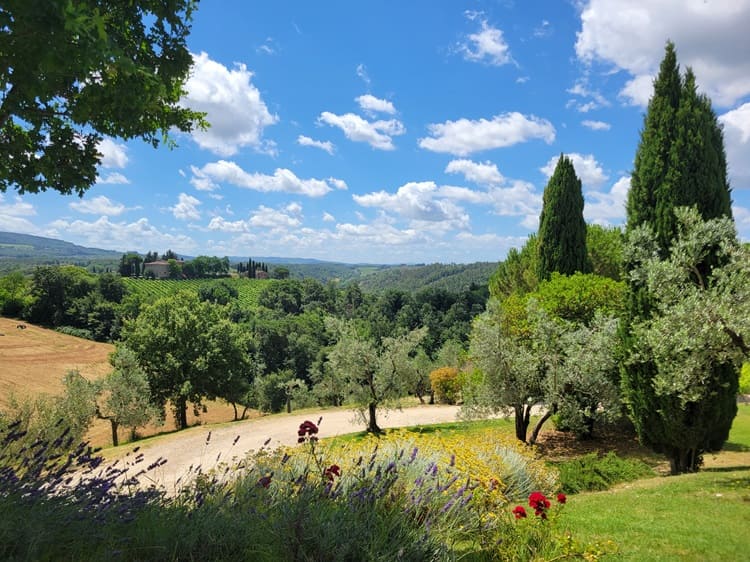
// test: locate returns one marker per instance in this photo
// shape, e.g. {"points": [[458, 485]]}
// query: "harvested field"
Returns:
{"points": [[34, 360]]}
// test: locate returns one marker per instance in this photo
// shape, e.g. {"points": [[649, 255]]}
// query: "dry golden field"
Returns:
{"points": [[34, 360]]}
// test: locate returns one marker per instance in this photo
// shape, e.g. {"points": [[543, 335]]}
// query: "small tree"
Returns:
{"points": [[124, 395], [374, 376]]}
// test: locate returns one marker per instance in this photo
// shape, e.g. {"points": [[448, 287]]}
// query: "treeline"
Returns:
{"points": [[133, 264], [412, 278]]}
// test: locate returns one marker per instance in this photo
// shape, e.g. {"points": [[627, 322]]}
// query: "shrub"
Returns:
{"points": [[593, 472], [445, 384]]}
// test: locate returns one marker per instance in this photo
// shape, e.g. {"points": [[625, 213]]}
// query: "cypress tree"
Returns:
{"points": [[562, 230], [680, 161]]}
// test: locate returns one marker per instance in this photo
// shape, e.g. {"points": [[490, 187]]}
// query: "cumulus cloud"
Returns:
{"points": [[371, 104], [265, 217], [418, 201], [588, 170], [607, 208], [711, 37], [326, 146], [485, 45], [480, 173], [13, 215], [233, 105], [138, 235], [328, 217], [100, 205], [464, 136], [222, 225], [186, 207], [114, 178], [596, 125], [378, 134], [582, 89], [209, 176], [737, 142], [114, 154]]}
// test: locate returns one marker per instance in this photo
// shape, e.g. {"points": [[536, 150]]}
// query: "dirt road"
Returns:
{"points": [[193, 447]]}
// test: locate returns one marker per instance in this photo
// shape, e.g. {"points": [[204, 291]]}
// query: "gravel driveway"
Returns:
{"points": [[194, 447]]}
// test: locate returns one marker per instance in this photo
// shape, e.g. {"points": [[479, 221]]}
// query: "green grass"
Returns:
{"points": [[694, 517]]}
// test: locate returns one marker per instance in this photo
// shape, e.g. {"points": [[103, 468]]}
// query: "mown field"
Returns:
{"points": [[150, 289], [34, 361]]}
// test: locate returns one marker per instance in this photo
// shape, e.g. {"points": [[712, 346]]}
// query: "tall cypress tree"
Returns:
{"points": [[680, 161], [562, 230]]}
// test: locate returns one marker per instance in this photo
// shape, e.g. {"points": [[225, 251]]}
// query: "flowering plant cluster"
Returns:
{"points": [[307, 430], [539, 503]]}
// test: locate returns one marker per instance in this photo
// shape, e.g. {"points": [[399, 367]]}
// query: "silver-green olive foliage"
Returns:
{"points": [[701, 318], [73, 72]]}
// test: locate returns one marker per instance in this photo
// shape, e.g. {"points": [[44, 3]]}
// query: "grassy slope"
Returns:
{"points": [[704, 516]]}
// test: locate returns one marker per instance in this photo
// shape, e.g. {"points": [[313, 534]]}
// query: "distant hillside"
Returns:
{"points": [[24, 252], [14, 245], [451, 277]]}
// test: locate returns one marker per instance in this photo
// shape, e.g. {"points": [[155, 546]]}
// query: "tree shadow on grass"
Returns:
{"points": [[736, 447]]}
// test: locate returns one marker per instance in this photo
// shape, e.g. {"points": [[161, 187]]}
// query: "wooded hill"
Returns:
{"points": [[23, 252]]}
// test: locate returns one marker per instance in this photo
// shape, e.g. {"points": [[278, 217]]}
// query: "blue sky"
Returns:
{"points": [[402, 131]]}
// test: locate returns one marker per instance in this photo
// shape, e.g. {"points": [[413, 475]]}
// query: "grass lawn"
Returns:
{"points": [[700, 517]]}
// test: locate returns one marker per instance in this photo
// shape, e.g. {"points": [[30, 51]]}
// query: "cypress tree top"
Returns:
{"points": [[562, 230]]}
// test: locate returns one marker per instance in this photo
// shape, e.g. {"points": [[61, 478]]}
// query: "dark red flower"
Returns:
{"points": [[519, 512], [331, 471], [539, 503], [265, 482], [561, 498]]}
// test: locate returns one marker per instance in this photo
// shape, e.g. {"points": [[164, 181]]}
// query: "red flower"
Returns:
{"points": [[265, 482], [561, 498], [331, 471], [307, 428], [539, 503], [519, 512]]}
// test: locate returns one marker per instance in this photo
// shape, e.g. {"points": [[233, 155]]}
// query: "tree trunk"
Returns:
{"points": [[181, 413], [522, 422], [538, 427], [432, 397], [288, 404], [113, 424], [684, 461], [372, 424]]}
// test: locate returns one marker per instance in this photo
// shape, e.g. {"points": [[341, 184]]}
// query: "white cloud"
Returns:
{"points": [[638, 90], [596, 125], [139, 235], [588, 170], [100, 205], [464, 136], [265, 217], [234, 108], [222, 225], [282, 180], [582, 89], [327, 146], [742, 220], [12, 216], [480, 173], [378, 134], [114, 178], [543, 30], [607, 208], [372, 104], [711, 37], [486, 45], [362, 74], [186, 207], [338, 184], [417, 201], [328, 217], [114, 154], [737, 142]]}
